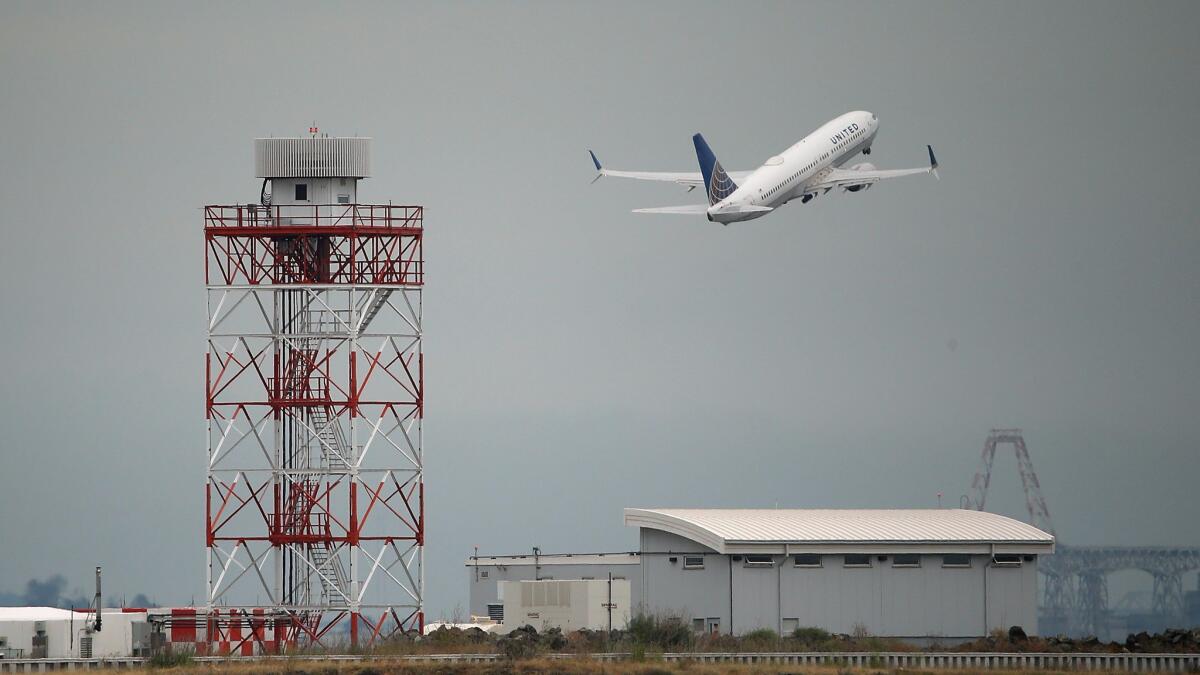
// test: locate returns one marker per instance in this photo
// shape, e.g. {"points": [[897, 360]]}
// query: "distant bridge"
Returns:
{"points": [[1077, 580], [1076, 577]]}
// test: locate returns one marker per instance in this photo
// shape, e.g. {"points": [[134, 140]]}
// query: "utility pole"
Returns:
{"points": [[98, 601], [609, 605]]}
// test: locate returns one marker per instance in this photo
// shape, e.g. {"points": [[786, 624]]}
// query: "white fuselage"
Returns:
{"points": [[787, 175]]}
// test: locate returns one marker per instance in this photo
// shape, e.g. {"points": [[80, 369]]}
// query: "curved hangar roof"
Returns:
{"points": [[840, 530]]}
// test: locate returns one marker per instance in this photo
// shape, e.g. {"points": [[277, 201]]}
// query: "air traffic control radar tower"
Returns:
{"points": [[314, 392]]}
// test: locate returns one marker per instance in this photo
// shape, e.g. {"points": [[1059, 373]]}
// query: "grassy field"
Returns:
{"points": [[576, 666], [527, 650]]}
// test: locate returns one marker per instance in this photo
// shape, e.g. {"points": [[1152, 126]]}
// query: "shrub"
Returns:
{"points": [[812, 638], [762, 635], [171, 659], [661, 632], [518, 648], [760, 640]]}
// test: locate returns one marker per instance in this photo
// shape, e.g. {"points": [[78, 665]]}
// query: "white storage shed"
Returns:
{"points": [[50, 632]]}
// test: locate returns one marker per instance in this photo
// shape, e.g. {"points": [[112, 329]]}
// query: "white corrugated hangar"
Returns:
{"points": [[921, 574]]}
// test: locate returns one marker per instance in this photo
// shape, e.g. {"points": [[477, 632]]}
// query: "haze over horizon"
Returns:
{"points": [[852, 352]]}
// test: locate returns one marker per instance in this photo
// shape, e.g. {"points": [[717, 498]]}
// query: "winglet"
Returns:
{"points": [[933, 163], [600, 170]]}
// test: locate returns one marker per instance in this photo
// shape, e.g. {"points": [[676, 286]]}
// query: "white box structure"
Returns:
{"points": [[595, 604], [69, 635]]}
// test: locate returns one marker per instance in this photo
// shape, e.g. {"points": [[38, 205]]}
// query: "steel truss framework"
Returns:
{"points": [[1039, 514], [1076, 578], [1088, 567], [314, 383]]}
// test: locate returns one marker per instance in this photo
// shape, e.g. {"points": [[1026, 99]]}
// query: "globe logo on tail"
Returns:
{"points": [[720, 185]]}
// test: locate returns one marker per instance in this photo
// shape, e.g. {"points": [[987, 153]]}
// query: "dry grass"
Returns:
{"points": [[575, 666]]}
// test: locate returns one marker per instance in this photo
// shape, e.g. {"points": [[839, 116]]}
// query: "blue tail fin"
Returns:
{"points": [[718, 183]]}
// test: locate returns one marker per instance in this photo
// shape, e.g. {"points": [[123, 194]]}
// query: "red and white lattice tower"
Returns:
{"points": [[314, 390]]}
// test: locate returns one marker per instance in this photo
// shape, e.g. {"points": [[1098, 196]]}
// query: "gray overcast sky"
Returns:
{"points": [[581, 358]]}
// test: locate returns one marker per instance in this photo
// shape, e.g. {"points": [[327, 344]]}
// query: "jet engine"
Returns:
{"points": [[864, 166]]}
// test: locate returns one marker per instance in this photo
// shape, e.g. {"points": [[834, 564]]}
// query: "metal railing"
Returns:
{"points": [[929, 660], [356, 216]]}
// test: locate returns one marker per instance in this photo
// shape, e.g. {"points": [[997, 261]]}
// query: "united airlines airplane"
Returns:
{"points": [[809, 168]]}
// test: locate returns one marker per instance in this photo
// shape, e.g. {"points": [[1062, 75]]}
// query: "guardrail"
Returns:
{"points": [[1178, 663], [42, 665], [234, 216]]}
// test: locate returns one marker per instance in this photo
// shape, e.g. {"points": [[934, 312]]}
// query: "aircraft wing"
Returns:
{"points": [[688, 209], [689, 179], [701, 209], [846, 178]]}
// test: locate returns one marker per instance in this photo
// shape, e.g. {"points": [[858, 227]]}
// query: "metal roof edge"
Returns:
{"points": [[622, 558], [680, 525], [656, 520]]}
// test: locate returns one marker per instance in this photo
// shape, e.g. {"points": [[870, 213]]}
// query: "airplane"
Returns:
{"points": [[809, 168]]}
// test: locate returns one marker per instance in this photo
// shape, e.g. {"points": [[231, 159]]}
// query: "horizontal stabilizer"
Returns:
{"points": [[689, 209]]}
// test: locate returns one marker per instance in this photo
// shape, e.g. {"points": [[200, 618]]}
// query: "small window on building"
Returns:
{"points": [[698, 625], [301, 192], [693, 562], [759, 561], [956, 560], [789, 626], [483, 574], [807, 560], [343, 199], [856, 560], [906, 560], [1006, 560]]}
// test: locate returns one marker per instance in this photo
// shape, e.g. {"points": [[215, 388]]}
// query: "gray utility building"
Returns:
{"points": [[946, 574]]}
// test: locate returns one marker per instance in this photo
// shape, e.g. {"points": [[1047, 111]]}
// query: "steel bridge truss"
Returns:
{"points": [[1085, 570], [314, 388], [1075, 579]]}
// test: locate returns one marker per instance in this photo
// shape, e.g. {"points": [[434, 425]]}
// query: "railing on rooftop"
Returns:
{"points": [[377, 244], [356, 216]]}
